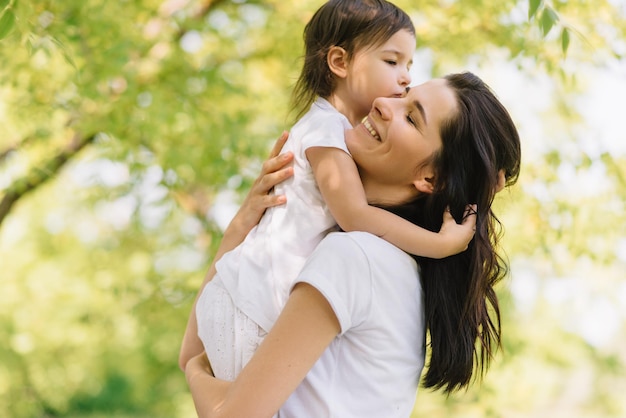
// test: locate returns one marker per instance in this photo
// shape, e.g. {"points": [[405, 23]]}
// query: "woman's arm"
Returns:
{"points": [[304, 329], [338, 179], [257, 200]]}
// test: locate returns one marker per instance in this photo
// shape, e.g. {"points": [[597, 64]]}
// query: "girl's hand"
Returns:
{"points": [[273, 172], [501, 181], [459, 235]]}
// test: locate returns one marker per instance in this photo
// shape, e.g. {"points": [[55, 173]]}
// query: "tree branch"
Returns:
{"points": [[4, 154], [40, 175]]}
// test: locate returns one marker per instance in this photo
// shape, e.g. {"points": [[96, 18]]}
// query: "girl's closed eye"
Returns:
{"points": [[391, 62]]}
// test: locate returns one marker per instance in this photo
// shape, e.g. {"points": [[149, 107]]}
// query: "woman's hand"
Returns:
{"points": [[304, 329], [258, 199]]}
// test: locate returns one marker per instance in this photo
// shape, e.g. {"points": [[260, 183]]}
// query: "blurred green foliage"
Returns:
{"points": [[124, 124]]}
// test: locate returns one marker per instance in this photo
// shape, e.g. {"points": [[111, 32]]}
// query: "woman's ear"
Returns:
{"points": [[425, 184], [337, 60], [424, 181]]}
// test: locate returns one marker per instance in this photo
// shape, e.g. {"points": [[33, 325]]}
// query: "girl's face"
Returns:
{"points": [[394, 145], [381, 71]]}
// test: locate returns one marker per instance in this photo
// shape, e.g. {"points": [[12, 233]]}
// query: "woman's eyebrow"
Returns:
{"points": [[419, 107]]}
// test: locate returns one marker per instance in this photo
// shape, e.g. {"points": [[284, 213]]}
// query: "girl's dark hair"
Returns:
{"points": [[351, 25], [461, 306]]}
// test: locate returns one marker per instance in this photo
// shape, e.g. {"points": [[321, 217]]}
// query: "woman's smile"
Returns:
{"points": [[369, 125]]}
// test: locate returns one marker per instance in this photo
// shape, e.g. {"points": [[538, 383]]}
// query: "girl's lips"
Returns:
{"points": [[368, 125]]}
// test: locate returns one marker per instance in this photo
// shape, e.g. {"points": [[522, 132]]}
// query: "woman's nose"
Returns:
{"points": [[383, 105]]}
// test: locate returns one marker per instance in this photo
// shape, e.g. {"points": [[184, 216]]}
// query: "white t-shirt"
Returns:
{"points": [[372, 369], [260, 271]]}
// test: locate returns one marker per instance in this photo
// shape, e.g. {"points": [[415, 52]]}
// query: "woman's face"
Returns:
{"points": [[394, 144]]}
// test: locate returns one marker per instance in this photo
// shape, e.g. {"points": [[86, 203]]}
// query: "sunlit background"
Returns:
{"points": [[129, 130]]}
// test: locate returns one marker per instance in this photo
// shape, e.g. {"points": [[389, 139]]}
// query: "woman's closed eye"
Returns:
{"points": [[391, 62]]}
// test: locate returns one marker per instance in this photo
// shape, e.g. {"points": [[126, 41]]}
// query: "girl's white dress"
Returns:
{"points": [[257, 274]]}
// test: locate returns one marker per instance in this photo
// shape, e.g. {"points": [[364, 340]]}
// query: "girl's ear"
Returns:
{"points": [[337, 60]]}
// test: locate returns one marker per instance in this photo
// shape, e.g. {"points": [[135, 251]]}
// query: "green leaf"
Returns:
{"points": [[548, 19], [3, 4], [7, 21], [533, 7], [65, 51], [565, 40]]}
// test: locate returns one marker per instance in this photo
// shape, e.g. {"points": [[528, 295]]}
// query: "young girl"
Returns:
{"points": [[356, 51]]}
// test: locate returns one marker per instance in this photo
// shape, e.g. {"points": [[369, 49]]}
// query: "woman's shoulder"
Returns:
{"points": [[368, 248]]}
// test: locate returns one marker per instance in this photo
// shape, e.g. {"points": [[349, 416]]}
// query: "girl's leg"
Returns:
{"points": [[229, 337]]}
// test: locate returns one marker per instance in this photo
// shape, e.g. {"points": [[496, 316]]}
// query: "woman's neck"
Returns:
{"points": [[386, 194]]}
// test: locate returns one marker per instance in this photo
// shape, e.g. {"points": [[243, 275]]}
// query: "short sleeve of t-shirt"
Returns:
{"points": [[325, 127], [339, 270]]}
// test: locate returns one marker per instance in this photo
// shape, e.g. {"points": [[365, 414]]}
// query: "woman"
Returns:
{"points": [[367, 54], [354, 317]]}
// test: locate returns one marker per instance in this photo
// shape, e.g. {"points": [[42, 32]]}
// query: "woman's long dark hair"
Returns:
{"points": [[462, 311]]}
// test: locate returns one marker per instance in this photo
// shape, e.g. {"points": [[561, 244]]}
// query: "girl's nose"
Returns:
{"points": [[405, 78]]}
